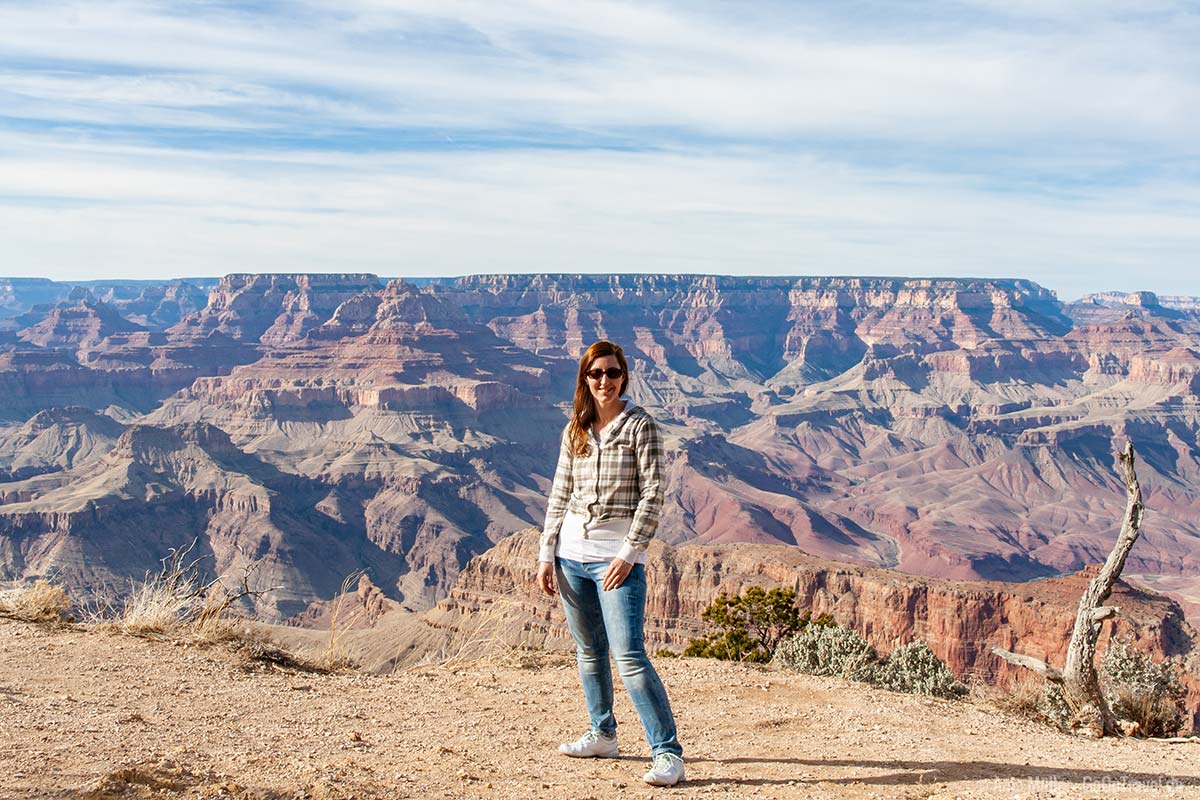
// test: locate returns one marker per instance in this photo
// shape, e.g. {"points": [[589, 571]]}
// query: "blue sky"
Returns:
{"points": [[1056, 140]]}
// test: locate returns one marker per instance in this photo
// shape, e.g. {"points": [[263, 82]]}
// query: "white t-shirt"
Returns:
{"points": [[602, 542]]}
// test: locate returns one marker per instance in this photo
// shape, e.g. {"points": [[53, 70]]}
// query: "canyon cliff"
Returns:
{"points": [[496, 605]]}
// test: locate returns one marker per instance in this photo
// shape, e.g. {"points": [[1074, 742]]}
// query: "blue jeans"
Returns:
{"points": [[601, 621]]}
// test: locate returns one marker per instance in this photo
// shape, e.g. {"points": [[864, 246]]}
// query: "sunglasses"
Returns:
{"points": [[612, 372]]}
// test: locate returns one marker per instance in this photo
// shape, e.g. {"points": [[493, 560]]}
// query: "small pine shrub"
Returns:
{"points": [[829, 650], [1142, 691], [749, 625], [727, 645], [914, 669]]}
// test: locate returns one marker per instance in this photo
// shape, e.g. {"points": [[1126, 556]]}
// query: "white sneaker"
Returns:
{"points": [[591, 745], [666, 771]]}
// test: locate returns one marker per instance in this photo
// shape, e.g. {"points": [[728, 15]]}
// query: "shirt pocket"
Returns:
{"points": [[624, 458]]}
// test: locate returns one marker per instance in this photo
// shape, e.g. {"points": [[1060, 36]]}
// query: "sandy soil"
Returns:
{"points": [[89, 714]]}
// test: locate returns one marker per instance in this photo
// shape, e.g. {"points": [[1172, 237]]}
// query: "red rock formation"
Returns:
{"points": [[357, 609], [274, 308], [1179, 365], [960, 620], [79, 325]]}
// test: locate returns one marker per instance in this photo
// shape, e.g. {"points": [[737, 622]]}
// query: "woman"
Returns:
{"points": [[602, 513]]}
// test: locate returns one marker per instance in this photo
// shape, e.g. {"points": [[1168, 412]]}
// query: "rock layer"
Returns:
{"points": [[957, 428]]}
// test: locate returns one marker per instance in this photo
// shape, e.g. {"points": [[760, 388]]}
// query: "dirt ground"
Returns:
{"points": [[90, 714]]}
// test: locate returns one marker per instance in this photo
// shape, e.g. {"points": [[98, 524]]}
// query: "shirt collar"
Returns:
{"points": [[617, 423]]}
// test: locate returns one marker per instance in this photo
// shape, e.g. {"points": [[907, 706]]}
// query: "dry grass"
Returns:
{"points": [[178, 605], [341, 621], [1022, 699], [1153, 715], [154, 608], [154, 612], [480, 638], [40, 602]]}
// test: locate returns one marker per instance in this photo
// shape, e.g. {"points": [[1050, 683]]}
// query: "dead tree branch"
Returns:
{"points": [[1079, 680], [1029, 662], [180, 576]]}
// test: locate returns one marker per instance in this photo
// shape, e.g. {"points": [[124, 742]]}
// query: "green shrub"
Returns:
{"points": [[1053, 708], [1142, 691], [829, 650], [749, 626], [761, 625], [839, 652], [914, 669]]}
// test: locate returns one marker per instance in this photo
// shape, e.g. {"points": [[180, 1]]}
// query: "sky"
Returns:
{"points": [[1055, 140]]}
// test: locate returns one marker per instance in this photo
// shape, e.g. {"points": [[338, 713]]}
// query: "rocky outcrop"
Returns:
{"points": [[55, 439], [758, 327], [276, 309], [153, 304], [18, 295], [1178, 366], [960, 620], [107, 520], [97, 358], [360, 607], [77, 325], [162, 305]]}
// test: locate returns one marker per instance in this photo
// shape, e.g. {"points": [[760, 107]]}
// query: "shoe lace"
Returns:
{"points": [[664, 761]]}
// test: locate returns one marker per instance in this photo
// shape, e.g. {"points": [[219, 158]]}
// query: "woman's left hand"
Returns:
{"points": [[618, 571]]}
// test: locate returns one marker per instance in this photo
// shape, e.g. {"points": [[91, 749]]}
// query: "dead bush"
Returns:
{"points": [[179, 602], [40, 602], [1020, 699]]}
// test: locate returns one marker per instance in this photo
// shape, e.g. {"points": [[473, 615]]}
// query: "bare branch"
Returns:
{"points": [[1041, 668]]}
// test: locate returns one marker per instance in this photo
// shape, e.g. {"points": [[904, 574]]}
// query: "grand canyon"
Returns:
{"points": [[318, 426]]}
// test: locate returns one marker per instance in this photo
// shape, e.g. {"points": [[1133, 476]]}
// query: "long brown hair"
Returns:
{"points": [[584, 414]]}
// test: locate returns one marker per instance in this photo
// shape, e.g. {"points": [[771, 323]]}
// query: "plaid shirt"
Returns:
{"points": [[621, 476]]}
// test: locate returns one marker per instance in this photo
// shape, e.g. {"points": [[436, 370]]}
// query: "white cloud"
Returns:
{"points": [[451, 213], [1039, 140], [528, 64]]}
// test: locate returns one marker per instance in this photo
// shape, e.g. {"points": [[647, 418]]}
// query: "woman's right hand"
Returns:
{"points": [[545, 578]]}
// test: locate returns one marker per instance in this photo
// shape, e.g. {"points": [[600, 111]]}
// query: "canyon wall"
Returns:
{"points": [[322, 424]]}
